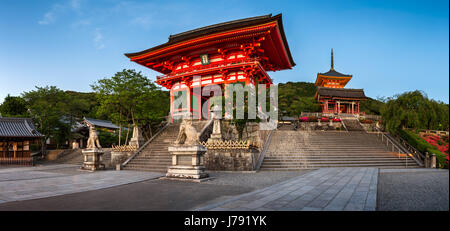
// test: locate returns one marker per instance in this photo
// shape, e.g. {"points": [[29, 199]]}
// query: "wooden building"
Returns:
{"points": [[16, 137], [235, 51], [332, 95]]}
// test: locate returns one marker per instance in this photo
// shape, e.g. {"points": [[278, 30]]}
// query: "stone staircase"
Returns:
{"points": [[75, 157], [352, 124], [293, 150], [155, 157]]}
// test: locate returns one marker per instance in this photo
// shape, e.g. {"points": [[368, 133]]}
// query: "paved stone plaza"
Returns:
{"points": [[421, 189], [28, 183], [65, 187], [328, 189]]}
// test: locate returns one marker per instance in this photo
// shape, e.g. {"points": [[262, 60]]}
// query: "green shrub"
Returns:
{"points": [[423, 146]]}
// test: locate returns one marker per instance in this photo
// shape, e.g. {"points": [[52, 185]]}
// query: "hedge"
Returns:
{"points": [[423, 146]]}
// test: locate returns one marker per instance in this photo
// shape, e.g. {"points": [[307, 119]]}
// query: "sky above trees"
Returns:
{"points": [[388, 46]]}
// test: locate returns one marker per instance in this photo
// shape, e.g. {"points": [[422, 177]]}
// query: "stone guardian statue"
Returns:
{"points": [[93, 141]]}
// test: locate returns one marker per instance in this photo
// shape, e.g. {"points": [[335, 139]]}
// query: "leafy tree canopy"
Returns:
{"points": [[414, 110], [13, 106], [131, 98]]}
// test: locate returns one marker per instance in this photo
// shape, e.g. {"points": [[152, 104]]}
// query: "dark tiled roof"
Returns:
{"points": [[230, 25], [334, 73], [218, 27], [341, 92], [18, 127], [101, 123]]}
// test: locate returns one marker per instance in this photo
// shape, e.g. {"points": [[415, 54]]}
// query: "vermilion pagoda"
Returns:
{"points": [[332, 95], [235, 51]]}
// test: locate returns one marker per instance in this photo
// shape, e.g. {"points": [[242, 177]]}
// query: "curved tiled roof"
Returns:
{"points": [[202, 31], [18, 127], [101, 123], [334, 73], [341, 92]]}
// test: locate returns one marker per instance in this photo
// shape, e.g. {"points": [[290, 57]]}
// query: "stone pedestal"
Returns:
{"points": [[92, 159], [187, 162]]}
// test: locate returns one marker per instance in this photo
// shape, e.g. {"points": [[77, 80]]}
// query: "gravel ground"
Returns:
{"points": [[413, 190]]}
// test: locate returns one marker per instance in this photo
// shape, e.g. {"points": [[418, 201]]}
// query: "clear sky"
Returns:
{"points": [[388, 46]]}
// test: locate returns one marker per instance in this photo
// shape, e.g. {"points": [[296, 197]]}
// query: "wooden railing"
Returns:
{"points": [[434, 132], [27, 161]]}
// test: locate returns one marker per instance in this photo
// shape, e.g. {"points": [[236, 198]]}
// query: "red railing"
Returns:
{"points": [[26, 161]]}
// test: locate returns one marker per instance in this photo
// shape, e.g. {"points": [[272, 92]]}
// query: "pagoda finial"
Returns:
{"points": [[332, 63]]}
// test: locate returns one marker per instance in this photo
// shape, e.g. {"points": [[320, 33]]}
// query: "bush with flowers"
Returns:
{"points": [[428, 144], [303, 119], [441, 143], [324, 119]]}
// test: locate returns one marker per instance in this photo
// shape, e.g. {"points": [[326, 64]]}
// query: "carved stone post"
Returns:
{"points": [[137, 140], [427, 160], [433, 161], [217, 126]]}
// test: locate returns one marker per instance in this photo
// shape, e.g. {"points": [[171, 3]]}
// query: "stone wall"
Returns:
{"points": [[369, 127], [310, 126], [237, 159], [230, 160], [251, 133], [119, 157]]}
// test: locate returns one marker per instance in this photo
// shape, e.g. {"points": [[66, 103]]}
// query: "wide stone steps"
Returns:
{"points": [[319, 157], [155, 157], [293, 150], [297, 168], [76, 158]]}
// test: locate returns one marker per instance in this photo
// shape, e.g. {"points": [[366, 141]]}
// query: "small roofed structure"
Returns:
{"points": [[332, 95], [100, 123], [81, 130], [16, 136]]}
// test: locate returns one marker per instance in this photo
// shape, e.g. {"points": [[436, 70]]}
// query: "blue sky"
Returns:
{"points": [[388, 46]]}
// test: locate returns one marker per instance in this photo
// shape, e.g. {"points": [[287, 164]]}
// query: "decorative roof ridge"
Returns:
{"points": [[174, 36], [87, 118], [342, 89], [14, 119], [332, 70]]}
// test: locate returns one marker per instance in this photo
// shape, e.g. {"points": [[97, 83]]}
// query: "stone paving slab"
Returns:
{"points": [[325, 189], [25, 184]]}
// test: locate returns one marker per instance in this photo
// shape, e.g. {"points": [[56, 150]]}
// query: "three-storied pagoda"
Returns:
{"points": [[332, 95], [235, 51]]}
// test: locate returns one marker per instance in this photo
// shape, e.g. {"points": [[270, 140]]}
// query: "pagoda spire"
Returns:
{"points": [[332, 62]]}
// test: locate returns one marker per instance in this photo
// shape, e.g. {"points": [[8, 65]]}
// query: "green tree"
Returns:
{"points": [[372, 106], [47, 106], [131, 98], [13, 106], [297, 97], [414, 110]]}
